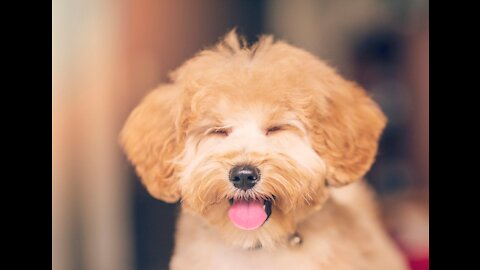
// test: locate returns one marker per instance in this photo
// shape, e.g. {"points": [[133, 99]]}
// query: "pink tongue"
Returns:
{"points": [[247, 215]]}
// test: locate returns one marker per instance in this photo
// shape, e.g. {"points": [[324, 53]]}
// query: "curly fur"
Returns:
{"points": [[325, 136]]}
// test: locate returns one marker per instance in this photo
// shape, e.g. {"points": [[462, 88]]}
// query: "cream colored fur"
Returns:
{"points": [[312, 135]]}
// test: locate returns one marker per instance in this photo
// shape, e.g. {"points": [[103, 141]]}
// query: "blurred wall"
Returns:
{"points": [[383, 46], [89, 196]]}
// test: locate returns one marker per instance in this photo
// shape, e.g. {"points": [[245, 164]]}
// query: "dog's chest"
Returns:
{"points": [[297, 258], [199, 251]]}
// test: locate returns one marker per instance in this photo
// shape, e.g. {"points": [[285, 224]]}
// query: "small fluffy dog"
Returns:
{"points": [[258, 143]]}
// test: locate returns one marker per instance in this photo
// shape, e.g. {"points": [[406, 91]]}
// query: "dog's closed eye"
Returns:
{"points": [[273, 129], [219, 131]]}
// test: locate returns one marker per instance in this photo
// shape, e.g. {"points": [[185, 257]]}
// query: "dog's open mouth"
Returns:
{"points": [[249, 214]]}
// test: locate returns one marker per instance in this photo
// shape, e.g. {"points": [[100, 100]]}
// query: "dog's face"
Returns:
{"points": [[251, 139]]}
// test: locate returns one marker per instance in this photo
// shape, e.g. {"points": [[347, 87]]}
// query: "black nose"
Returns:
{"points": [[244, 176]]}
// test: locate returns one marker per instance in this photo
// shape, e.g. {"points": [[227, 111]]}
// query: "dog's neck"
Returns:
{"points": [[293, 240]]}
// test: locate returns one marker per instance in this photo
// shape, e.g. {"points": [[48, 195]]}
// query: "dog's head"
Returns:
{"points": [[252, 138]]}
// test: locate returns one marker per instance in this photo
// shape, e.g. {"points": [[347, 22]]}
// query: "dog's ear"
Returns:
{"points": [[151, 139], [346, 128]]}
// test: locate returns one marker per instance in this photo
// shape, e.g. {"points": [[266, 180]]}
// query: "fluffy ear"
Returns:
{"points": [[346, 129], [151, 140]]}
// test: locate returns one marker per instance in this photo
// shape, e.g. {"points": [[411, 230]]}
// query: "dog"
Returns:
{"points": [[265, 146]]}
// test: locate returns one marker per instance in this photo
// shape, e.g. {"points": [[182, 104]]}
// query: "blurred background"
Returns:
{"points": [[107, 54]]}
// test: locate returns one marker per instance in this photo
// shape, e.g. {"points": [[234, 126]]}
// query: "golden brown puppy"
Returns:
{"points": [[265, 147]]}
